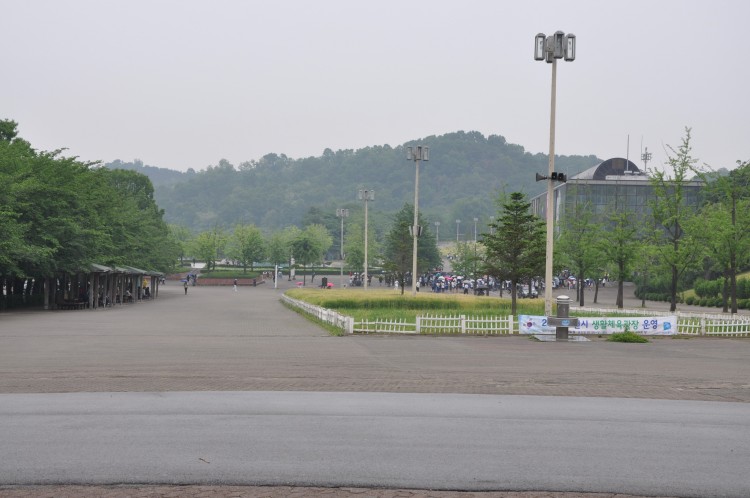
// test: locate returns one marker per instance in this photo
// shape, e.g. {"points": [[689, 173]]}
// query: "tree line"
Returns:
{"points": [[245, 245], [59, 215], [460, 181]]}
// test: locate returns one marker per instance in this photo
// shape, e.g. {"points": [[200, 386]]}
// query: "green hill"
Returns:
{"points": [[462, 180]]}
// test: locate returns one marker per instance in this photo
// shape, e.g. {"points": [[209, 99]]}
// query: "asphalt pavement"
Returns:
{"points": [[214, 339]]}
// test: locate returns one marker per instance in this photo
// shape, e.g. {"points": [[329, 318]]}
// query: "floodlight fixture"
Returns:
{"points": [[540, 43], [570, 47]]}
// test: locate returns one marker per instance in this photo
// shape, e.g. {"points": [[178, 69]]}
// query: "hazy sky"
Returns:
{"points": [[184, 83]]}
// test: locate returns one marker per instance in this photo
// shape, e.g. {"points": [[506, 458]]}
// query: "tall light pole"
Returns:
{"points": [[476, 220], [342, 213], [437, 233], [416, 154], [366, 196], [551, 48], [458, 223]]}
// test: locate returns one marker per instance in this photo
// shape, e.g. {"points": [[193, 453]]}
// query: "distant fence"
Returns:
{"points": [[687, 323]]}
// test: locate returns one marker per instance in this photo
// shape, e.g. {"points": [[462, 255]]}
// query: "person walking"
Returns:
{"points": [[186, 286], [235, 285]]}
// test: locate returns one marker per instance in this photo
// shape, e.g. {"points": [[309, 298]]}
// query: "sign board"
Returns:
{"points": [[662, 325]]}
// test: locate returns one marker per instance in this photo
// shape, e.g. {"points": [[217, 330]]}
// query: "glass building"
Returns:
{"points": [[614, 185]]}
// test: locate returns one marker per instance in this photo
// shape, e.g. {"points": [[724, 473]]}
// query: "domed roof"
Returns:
{"points": [[617, 166]]}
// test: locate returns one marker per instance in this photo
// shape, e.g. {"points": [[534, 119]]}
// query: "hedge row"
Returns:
{"points": [[713, 288], [743, 304]]}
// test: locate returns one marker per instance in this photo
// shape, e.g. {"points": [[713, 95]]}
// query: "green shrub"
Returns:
{"points": [[707, 288], [626, 336], [690, 300], [743, 288]]}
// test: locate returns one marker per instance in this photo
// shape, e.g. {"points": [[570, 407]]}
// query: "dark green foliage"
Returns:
{"points": [[516, 249], [399, 246], [743, 288], [159, 176], [59, 215], [463, 176], [707, 288]]}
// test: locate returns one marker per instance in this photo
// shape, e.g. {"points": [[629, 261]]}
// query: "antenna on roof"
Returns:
{"points": [[645, 157], [627, 157]]}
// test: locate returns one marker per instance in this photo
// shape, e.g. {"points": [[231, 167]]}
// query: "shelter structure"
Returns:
{"points": [[100, 286]]}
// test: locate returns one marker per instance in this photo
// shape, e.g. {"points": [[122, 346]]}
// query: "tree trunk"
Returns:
{"points": [[581, 289], [596, 290], [620, 285], [673, 290]]}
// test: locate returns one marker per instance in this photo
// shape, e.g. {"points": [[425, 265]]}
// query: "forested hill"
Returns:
{"points": [[463, 178], [159, 176]]}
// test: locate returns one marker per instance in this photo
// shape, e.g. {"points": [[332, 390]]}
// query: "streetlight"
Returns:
{"points": [[551, 48], [366, 196], [437, 233], [342, 213], [475, 247], [416, 154], [458, 223]]}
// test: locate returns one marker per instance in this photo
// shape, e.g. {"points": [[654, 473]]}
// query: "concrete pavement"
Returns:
{"points": [[216, 340]]}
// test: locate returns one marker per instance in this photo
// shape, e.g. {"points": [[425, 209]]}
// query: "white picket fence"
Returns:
{"points": [[392, 326], [440, 324], [331, 317], [687, 323]]}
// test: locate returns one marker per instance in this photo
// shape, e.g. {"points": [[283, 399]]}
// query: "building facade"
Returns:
{"points": [[615, 185]]}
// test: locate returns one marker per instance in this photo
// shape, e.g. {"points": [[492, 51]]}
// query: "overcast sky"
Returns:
{"points": [[184, 83]]}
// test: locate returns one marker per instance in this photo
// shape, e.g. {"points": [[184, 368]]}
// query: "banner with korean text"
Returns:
{"points": [[661, 325]]}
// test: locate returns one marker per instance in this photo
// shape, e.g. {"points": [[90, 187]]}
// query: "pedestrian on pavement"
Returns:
{"points": [[235, 285], [186, 286]]}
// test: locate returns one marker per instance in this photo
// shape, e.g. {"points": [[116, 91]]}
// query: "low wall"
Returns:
{"points": [[229, 281]]}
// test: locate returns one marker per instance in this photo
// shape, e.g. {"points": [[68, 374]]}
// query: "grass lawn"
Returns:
{"points": [[379, 303]]}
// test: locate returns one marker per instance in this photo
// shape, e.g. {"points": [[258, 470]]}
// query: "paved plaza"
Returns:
{"points": [[214, 339]]}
